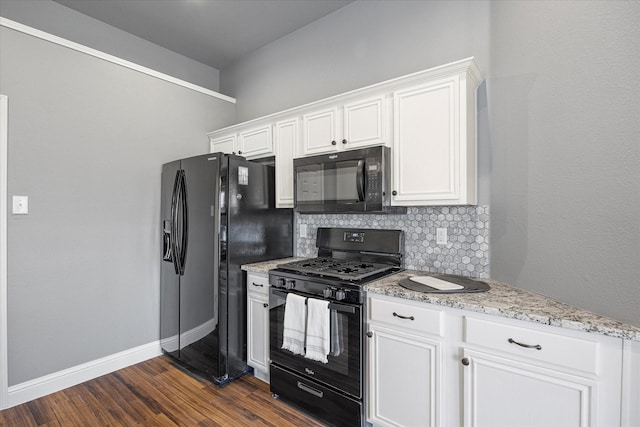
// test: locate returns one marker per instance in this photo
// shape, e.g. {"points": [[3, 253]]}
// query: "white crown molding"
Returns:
{"points": [[4, 22], [33, 389]]}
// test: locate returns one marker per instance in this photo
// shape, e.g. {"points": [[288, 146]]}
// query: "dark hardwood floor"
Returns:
{"points": [[157, 393]]}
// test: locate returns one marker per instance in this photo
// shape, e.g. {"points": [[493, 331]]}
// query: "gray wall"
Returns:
{"points": [[558, 123], [360, 44], [53, 18], [564, 105], [87, 139]]}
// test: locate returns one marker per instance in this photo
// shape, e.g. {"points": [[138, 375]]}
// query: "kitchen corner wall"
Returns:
{"points": [[87, 140], [466, 253]]}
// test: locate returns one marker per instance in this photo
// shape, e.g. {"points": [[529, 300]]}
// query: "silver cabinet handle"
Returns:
{"points": [[403, 317], [536, 346]]}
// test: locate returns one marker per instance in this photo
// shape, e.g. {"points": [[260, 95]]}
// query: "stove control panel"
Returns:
{"points": [[354, 236], [314, 288]]}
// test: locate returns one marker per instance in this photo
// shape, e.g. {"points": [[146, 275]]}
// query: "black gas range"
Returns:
{"points": [[332, 390]]}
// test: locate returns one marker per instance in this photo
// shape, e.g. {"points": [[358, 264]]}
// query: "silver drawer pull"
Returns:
{"points": [[403, 317], [310, 390], [259, 285], [536, 346]]}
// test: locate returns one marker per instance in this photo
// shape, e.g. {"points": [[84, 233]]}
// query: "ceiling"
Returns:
{"points": [[213, 32]]}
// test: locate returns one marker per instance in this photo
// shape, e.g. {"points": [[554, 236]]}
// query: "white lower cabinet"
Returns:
{"points": [[504, 392], [258, 324], [405, 358], [403, 378], [518, 374], [453, 367]]}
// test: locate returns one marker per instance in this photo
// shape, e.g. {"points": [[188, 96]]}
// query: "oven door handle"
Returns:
{"points": [[310, 390], [337, 307]]}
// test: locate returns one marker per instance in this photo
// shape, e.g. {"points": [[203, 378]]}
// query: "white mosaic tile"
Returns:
{"points": [[466, 252]]}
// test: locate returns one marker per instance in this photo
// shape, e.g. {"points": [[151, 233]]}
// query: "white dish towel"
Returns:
{"points": [[295, 316], [318, 334]]}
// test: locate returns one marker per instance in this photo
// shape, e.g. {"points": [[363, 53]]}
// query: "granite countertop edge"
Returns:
{"points": [[507, 301], [266, 266], [501, 300]]}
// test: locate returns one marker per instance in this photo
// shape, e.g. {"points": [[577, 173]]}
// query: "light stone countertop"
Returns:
{"points": [[264, 266], [501, 300], [506, 301]]}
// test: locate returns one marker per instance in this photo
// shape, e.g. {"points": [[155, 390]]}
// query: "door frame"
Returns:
{"points": [[4, 371]]}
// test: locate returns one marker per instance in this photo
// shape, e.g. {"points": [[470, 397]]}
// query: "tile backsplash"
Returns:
{"points": [[466, 252]]}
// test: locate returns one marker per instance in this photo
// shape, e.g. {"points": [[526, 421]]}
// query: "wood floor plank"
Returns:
{"points": [[157, 393]]}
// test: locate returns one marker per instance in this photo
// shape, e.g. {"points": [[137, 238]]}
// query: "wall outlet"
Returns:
{"points": [[441, 236], [302, 230], [20, 205]]}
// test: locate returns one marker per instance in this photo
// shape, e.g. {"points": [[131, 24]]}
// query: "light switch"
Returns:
{"points": [[441, 236], [303, 230], [20, 205]]}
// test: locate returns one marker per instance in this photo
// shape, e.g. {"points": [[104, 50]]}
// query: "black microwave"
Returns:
{"points": [[347, 181]]}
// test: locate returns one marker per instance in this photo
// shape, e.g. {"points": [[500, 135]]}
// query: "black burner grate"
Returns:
{"points": [[332, 267]]}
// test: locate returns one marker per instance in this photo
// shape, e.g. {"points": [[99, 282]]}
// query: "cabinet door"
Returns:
{"points": [[254, 143], [258, 334], [286, 143], [505, 392], [320, 132], [365, 123], [427, 151], [404, 378], [224, 144]]}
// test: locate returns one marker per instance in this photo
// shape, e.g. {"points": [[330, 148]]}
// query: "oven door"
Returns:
{"points": [[344, 367]]}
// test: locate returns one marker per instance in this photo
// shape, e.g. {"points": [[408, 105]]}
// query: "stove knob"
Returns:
{"points": [[280, 283], [290, 284], [340, 295], [327, 292]]}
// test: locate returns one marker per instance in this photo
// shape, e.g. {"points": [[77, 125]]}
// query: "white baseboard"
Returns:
{"points": [[38, 387]]}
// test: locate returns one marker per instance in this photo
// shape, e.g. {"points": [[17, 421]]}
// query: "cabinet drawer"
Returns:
{"points": [[258, 283], [398, 313], [550, 347]]}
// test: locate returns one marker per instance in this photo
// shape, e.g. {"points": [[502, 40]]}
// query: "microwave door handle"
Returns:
{"points": [[360, 180]]}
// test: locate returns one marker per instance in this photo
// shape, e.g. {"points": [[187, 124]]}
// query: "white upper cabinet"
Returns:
{"points": [[255, 143], [365, 123], [434, 144], [357, 124], [252, 142], [286, 137], [320, 132], [224, 144], [427, 118]]}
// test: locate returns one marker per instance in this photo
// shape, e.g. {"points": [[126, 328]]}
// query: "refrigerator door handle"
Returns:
{"points": [[184, 229], [174, 222]]}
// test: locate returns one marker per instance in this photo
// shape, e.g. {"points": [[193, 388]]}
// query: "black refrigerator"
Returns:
{"points": [[218, 212]]}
